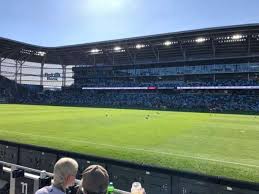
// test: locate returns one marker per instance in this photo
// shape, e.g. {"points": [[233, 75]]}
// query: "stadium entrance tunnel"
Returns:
{"points": [[155, 180]]}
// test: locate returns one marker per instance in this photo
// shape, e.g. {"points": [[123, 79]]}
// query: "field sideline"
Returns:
{"points": [[216, 144]]}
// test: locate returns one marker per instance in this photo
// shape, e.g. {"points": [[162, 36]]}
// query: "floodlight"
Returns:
{"points": [[200, 40], [117, 48], [139, 46], [95, 50], [236, 36], [167, 43], [41, 53]]}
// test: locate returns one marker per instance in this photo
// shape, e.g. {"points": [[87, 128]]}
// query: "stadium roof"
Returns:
{"points": [[239, 41]]}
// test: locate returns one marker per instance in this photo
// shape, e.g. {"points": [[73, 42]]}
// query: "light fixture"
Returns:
{"points": [[139, 46], [117, 48], [200, 40], [167, 43], [41, 53], [236, 36], [95, 50]]}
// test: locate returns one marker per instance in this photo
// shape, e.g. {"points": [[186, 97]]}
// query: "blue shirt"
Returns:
{"points": [[49, 190]]}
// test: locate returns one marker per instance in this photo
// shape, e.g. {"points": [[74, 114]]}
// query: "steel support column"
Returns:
{"points": [[41, 73], [64, 75], [249, 45], [182, 50], [0, 65], [213, 48], [155, 52], [20, 81], [94, 61], [16, 71]]}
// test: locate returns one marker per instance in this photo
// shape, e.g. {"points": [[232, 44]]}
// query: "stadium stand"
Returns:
{"points": [[203, 70], [189, 101], [14, 93], [215, 70]]}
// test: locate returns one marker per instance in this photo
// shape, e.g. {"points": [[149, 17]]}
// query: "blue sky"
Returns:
{"points": [[66, 22]]}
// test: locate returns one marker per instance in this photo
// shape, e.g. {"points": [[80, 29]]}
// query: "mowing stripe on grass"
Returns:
{"points": [[135, 149]]}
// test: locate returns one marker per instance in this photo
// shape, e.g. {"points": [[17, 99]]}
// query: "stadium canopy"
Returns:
{"points": [[240, 41]]}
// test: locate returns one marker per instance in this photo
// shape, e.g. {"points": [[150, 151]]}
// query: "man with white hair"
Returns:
{"points": [[65, 171]]}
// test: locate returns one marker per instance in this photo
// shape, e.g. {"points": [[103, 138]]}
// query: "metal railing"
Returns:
{"points": [[155, 180], [32, 174]]}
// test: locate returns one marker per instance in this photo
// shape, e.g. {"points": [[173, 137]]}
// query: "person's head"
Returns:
{"points": [[65, 171], [95, 180]]}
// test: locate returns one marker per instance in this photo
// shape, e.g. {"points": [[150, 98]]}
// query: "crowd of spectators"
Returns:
{"points": [[110, 83], [177, 100], [11, 91]]}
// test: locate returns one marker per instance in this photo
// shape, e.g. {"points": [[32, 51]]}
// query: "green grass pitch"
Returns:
{"points": [[215, 144]]}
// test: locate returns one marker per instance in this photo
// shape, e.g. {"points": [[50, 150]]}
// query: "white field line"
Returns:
{"points": [[136, 149]]}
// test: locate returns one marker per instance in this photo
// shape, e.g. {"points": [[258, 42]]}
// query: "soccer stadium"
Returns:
{"points": [[177, 112]]}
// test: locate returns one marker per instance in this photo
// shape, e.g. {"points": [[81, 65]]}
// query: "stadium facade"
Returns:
{"points": [[213, 69], [222, 61]]}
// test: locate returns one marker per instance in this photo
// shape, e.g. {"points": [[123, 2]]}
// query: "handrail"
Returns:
{"points": [[40, 172]]}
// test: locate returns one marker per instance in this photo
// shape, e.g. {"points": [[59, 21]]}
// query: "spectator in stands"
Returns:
{"points": [[65, 171], [95, 180]]}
